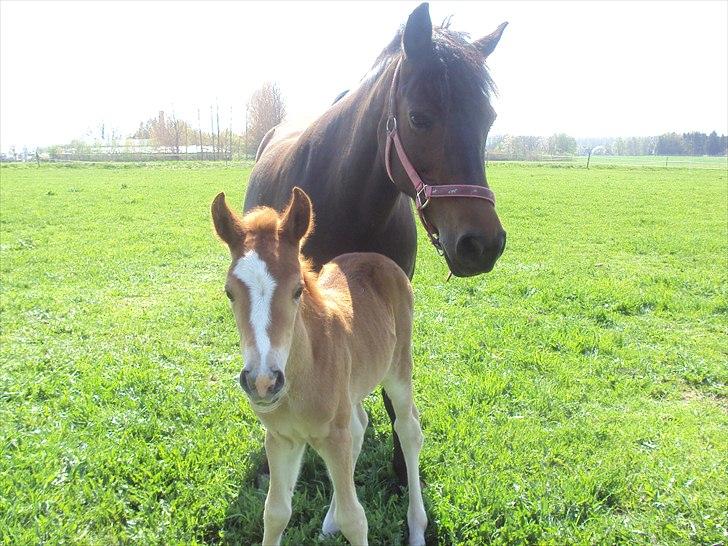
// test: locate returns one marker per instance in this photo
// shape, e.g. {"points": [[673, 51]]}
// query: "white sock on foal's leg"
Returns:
{"points": [[407, 426]]}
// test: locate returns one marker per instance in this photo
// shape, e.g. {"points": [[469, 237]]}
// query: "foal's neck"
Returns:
{"points": [[300, 358]]}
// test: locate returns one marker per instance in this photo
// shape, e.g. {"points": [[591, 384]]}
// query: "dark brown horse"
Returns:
{"points": [[440, 99]]}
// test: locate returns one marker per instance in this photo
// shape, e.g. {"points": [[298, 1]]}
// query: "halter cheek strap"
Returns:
{"points": [[423, 192]]}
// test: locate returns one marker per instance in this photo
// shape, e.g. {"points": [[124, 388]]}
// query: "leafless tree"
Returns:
{"points": [[266, 109], [199, 124]]}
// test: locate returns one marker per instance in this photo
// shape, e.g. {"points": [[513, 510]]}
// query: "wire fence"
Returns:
{"points": [[103, 154], [638, 161]]}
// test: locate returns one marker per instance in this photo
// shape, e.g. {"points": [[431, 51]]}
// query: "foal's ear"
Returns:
{"points": [[227, 224], [487, 44], [297, 219], [417, 36]]}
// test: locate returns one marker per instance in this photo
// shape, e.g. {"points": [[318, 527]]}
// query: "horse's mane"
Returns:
{"points": [[456, 63]]}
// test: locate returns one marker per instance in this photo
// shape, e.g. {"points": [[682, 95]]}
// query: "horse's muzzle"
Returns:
{"points": [[475, 254]]}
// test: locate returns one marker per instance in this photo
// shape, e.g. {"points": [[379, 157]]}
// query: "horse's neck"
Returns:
{"points": [[351, 131]]}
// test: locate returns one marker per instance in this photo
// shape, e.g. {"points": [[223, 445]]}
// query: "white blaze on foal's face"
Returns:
{"points": [[265, 308], [253, 273]]}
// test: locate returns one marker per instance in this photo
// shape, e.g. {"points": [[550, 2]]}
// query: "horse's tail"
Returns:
{"points": [[263, 143]]}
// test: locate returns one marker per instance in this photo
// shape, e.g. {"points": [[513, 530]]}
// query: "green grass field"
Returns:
{"points": [[576, 395]]}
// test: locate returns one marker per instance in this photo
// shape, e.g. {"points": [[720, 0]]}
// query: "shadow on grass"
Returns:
{"points": [[384, 502]]}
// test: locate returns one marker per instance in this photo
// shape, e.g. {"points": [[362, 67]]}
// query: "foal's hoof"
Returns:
{"points": [[329, 527]]}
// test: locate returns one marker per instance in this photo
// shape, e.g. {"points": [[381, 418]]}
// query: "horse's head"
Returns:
{"points": [[443, 114], [265, 281]]}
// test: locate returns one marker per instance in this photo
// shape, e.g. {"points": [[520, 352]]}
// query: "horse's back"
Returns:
{"points": [[268, 183]]}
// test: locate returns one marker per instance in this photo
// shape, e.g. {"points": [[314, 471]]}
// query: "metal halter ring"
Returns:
{"points": [[393, 126], [420, 203]]}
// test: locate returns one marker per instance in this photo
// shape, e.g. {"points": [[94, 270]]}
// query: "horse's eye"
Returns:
{"points": [[229, 294], [297, 293], [420, 120]]}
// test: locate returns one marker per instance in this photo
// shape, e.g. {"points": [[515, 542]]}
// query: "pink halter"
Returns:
{"points": [[423, 192]]}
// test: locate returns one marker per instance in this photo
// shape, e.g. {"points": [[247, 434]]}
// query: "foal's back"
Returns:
{"points": [[375, 304]]}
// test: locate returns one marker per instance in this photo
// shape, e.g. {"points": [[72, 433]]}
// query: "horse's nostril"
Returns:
{"points": [[503, 244], [280, 381], [470, 247]]}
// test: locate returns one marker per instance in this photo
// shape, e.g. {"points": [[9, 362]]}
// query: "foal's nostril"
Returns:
{"points": [[280, 381], [244, 381]]}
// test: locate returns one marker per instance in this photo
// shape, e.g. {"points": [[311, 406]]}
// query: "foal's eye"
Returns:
{"points": [[420, 120], [229, 294], [297, 293]]}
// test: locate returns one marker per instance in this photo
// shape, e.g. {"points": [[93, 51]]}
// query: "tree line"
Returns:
{"points": [[167, 136], [265, 109], [561, 144]]}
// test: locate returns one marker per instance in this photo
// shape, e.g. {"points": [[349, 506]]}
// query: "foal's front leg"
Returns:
{"points": [[284, 459], [336, 451], [359, 422]]}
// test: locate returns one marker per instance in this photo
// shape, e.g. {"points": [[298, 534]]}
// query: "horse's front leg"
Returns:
{"points": [[336, 451], [284, 459]]}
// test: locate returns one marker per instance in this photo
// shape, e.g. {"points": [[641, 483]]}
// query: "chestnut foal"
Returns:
{"points": [[314, 346]]}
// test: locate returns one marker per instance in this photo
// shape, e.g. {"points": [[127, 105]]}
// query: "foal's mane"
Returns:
{"points": [[264, 222], [456, 65]]}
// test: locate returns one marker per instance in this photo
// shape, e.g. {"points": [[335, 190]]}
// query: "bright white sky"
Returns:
{"points": [[584, 68]]}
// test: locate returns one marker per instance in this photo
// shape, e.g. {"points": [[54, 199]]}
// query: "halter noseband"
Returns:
{"points": [[423, 192]]}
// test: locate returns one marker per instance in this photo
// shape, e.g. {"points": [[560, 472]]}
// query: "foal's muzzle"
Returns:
{"points": [[262, 386]]}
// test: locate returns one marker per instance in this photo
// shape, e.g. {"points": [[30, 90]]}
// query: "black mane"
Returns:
{"points": [[456, 66]]}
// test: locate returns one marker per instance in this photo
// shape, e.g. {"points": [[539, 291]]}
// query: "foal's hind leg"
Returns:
{"points": [[407, 425], [359, 422], [398, 463]]}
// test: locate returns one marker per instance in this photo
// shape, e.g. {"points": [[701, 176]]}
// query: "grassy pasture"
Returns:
{"points": [[576, 395]]}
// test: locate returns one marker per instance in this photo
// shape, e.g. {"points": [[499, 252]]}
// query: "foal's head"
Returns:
{"points": [[265, 282], [443, 111]]}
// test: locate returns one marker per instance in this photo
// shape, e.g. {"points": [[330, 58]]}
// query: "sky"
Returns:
{"points": [[583, 68]]}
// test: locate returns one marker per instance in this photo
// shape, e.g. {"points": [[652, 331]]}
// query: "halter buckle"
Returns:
{"points": [[421, 204], [391, 125]]}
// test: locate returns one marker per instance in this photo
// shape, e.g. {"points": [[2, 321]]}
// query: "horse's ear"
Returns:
{"points": [[487, 44], [297, 219], [227, 224], [417, 36]]}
